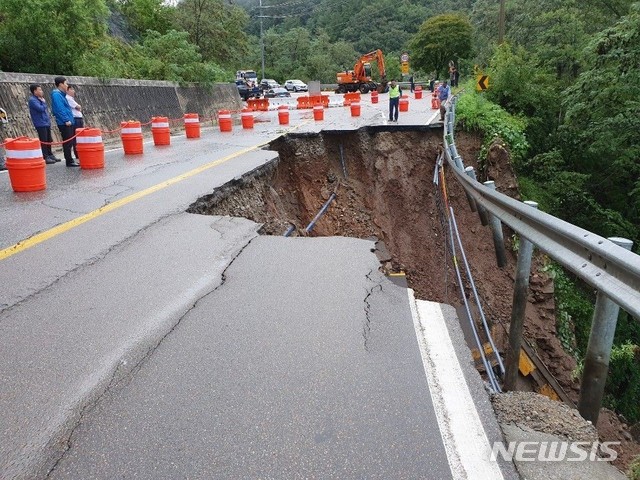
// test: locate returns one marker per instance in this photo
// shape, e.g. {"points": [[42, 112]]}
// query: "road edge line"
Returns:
{"points": [[464, 437]]}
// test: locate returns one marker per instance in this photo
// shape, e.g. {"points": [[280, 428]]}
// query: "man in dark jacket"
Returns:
{"points": [[41, 121], [64, 118]]}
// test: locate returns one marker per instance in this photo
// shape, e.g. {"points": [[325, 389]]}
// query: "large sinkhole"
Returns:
{"points": [[384, 186]]}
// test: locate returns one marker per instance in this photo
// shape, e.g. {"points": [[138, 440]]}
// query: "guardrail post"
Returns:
{"points": [[596, 362], [454, 151], [472, 201], [482, 212], [520, 292], [496, 228]]}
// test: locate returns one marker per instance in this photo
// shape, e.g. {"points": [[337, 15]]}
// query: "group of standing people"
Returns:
{"points": [[443, 92], [68, 117]]}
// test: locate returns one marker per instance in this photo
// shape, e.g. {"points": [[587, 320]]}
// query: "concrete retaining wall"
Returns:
{"points": [[105, 103]]}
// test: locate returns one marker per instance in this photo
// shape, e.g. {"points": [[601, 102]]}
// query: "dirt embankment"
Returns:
{"points": [[388, 193]]}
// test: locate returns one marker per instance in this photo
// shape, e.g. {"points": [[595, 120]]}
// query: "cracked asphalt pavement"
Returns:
{"points": [[255, 356], [269, 376]]}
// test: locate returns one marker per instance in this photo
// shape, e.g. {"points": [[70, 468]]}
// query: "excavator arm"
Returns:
{"points": [[359, 68]]}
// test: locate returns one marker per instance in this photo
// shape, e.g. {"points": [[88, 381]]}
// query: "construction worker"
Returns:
{"points": [[394, 100]]}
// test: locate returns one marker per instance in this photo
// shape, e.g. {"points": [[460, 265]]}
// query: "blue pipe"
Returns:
{"points": [[320, 213], [289, 230]]}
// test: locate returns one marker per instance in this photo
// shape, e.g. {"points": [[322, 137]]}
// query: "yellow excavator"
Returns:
{"points": [[359, 79]]}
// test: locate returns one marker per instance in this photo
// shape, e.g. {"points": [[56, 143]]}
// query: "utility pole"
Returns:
{"points": [[261, 40], [501, 23]]}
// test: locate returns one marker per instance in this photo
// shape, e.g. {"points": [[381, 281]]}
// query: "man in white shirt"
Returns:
{"points": [[76, 109]]}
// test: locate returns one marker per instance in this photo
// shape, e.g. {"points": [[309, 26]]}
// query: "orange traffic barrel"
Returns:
{"points": [[374, 96], [247, 118], [355, 109], [25, 164], [418, 92], [404, 103], [224, 120], [90, 148], [192, 125], [160, 131], [131, 135], [283, 114], [318, 112]]}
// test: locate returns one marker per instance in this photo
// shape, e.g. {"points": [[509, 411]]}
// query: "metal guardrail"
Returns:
{"points": [[606, 264], [598, 261]]}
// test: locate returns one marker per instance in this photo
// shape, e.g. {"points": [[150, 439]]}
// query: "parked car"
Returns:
{"points": [[268, 83], [277, 93], [247, 90], [296, 86]]}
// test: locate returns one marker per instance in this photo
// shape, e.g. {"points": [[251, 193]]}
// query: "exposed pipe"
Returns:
{"points": [[492, 380], [289, 230], [344, 166], [475, 293], [320, 213]]}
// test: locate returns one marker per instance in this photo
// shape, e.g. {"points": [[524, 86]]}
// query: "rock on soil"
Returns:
{"points": [[542, 414]]}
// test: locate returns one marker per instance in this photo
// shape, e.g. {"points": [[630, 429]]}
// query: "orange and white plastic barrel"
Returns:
{"points": [[404, 103], [435, 103], [355, 109], [90, 148], [418, 92], [318, 113], [283, 115], [246, 115], [224, 120], [192, 125], [160, 131], [27, 169], [131, 136], [374, 96]]}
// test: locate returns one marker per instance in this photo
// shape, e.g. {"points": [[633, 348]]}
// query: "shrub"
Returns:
{"points": [[475, 113]]}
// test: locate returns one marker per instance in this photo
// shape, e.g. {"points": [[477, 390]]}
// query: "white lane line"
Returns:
{"points": [[433, 117], [464, 438]]}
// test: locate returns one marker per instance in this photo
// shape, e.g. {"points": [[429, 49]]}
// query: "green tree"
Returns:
{"points": [[601, 131], [440, 39], [217, 28], [523, 88], [47, 36], [111, 58], [172, 57], [146, 15]]}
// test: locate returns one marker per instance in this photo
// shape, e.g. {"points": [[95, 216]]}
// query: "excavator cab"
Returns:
{"points": [[366, 67]]}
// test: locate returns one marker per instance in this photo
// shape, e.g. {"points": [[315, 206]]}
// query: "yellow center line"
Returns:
{"points": [[64, 227]]}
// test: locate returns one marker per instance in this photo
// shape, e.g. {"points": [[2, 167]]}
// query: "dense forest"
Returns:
{"points": [[564, 90]]}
